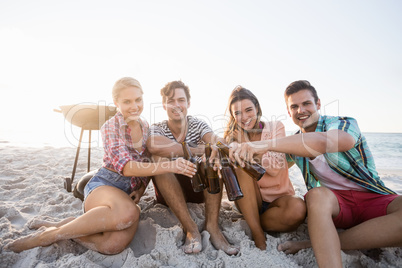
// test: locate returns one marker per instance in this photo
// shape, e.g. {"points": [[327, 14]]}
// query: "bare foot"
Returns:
{"points": [[192, 244], [40, 238], [219, 241], [292, 247], [37, 223]]}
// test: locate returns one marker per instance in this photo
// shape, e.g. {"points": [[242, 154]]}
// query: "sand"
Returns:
{"points": [[31, 187]]}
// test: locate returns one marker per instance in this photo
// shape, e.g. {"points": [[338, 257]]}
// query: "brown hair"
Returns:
{"points": [[232, 130], [300, 85], [171, 86]]}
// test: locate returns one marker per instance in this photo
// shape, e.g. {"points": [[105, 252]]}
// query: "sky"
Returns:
{"points": [[56, 53]]}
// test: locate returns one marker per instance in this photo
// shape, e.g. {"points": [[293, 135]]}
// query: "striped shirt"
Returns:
{"points": [[119, 148], [196, 130], [357, 164]]}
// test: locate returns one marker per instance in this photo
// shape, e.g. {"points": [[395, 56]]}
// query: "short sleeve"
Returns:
{"points": [[204, 128], [156, 130], [347, 124], [115, 147]]}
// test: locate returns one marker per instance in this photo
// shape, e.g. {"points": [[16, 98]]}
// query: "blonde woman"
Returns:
{"points": [[111, 213]]}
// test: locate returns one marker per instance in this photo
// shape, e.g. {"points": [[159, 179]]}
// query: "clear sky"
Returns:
{"points": [[54, 53]]}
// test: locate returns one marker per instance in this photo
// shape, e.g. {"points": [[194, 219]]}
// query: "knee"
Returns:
{"points": [[320, 199], [296, 212], [127, 216], [164, 179], [316, 196], [299, 210]]}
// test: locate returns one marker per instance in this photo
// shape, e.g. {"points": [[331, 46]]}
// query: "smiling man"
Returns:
{"points": [[344, 189], [174, 190]]}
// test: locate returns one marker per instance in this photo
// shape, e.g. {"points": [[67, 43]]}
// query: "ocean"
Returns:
{"points": [[386, 149]]}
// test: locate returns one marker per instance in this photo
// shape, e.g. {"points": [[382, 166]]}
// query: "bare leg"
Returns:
{"points": [[173, 195], [322, 206], [388, 230], [37, 223], [212, 207], [362, 235], [285, 214], [109, 242], [249, 207], [108, 210]]}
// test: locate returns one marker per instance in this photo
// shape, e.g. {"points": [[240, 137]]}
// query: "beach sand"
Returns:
{"points": [[31, 187]]}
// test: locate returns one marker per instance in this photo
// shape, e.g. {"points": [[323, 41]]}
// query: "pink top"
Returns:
{"points": [[273, 187]]}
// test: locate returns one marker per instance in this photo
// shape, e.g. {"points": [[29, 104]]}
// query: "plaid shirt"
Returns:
{"points": [[357, 164], [119, 147]]}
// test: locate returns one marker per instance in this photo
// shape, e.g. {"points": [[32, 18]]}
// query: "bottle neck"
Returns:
{"points": [[223, 147], [186, 151]]}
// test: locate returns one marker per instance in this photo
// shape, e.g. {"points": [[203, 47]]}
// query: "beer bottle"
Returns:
{"points": [[212, 175], [254, 170], [196, 181], [202, 171], [229, 178]]}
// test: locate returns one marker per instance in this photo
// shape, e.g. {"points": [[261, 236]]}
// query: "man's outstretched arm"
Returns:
{"points": [[304, 144]]}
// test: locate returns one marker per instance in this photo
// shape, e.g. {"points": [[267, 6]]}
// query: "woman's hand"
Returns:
{"points": [[183, 166]]}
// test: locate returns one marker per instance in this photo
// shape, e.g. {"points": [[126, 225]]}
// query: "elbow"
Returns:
{"points": [[155, 151], [126, 170], [339, 146], [151, 146], [152, 150]]}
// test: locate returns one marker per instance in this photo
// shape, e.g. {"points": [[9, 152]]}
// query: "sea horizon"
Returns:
{"points": [[71, 139], [386, 147]]}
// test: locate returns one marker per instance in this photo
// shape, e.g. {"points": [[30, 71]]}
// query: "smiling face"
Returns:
{"points": [[130, 103], [244, 113], [303, 110], [176, 105]]}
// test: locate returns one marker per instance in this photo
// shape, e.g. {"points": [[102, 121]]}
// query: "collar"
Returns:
{"points": [[120, 119]]}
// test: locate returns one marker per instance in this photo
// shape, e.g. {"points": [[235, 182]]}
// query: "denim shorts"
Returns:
{"points": [[107, 177]]}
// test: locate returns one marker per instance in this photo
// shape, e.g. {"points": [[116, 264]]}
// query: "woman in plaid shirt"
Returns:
{"points": [[111, 212]]}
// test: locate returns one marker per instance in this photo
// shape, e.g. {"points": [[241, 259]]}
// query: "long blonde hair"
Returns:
{"points": [[232, 131]]}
